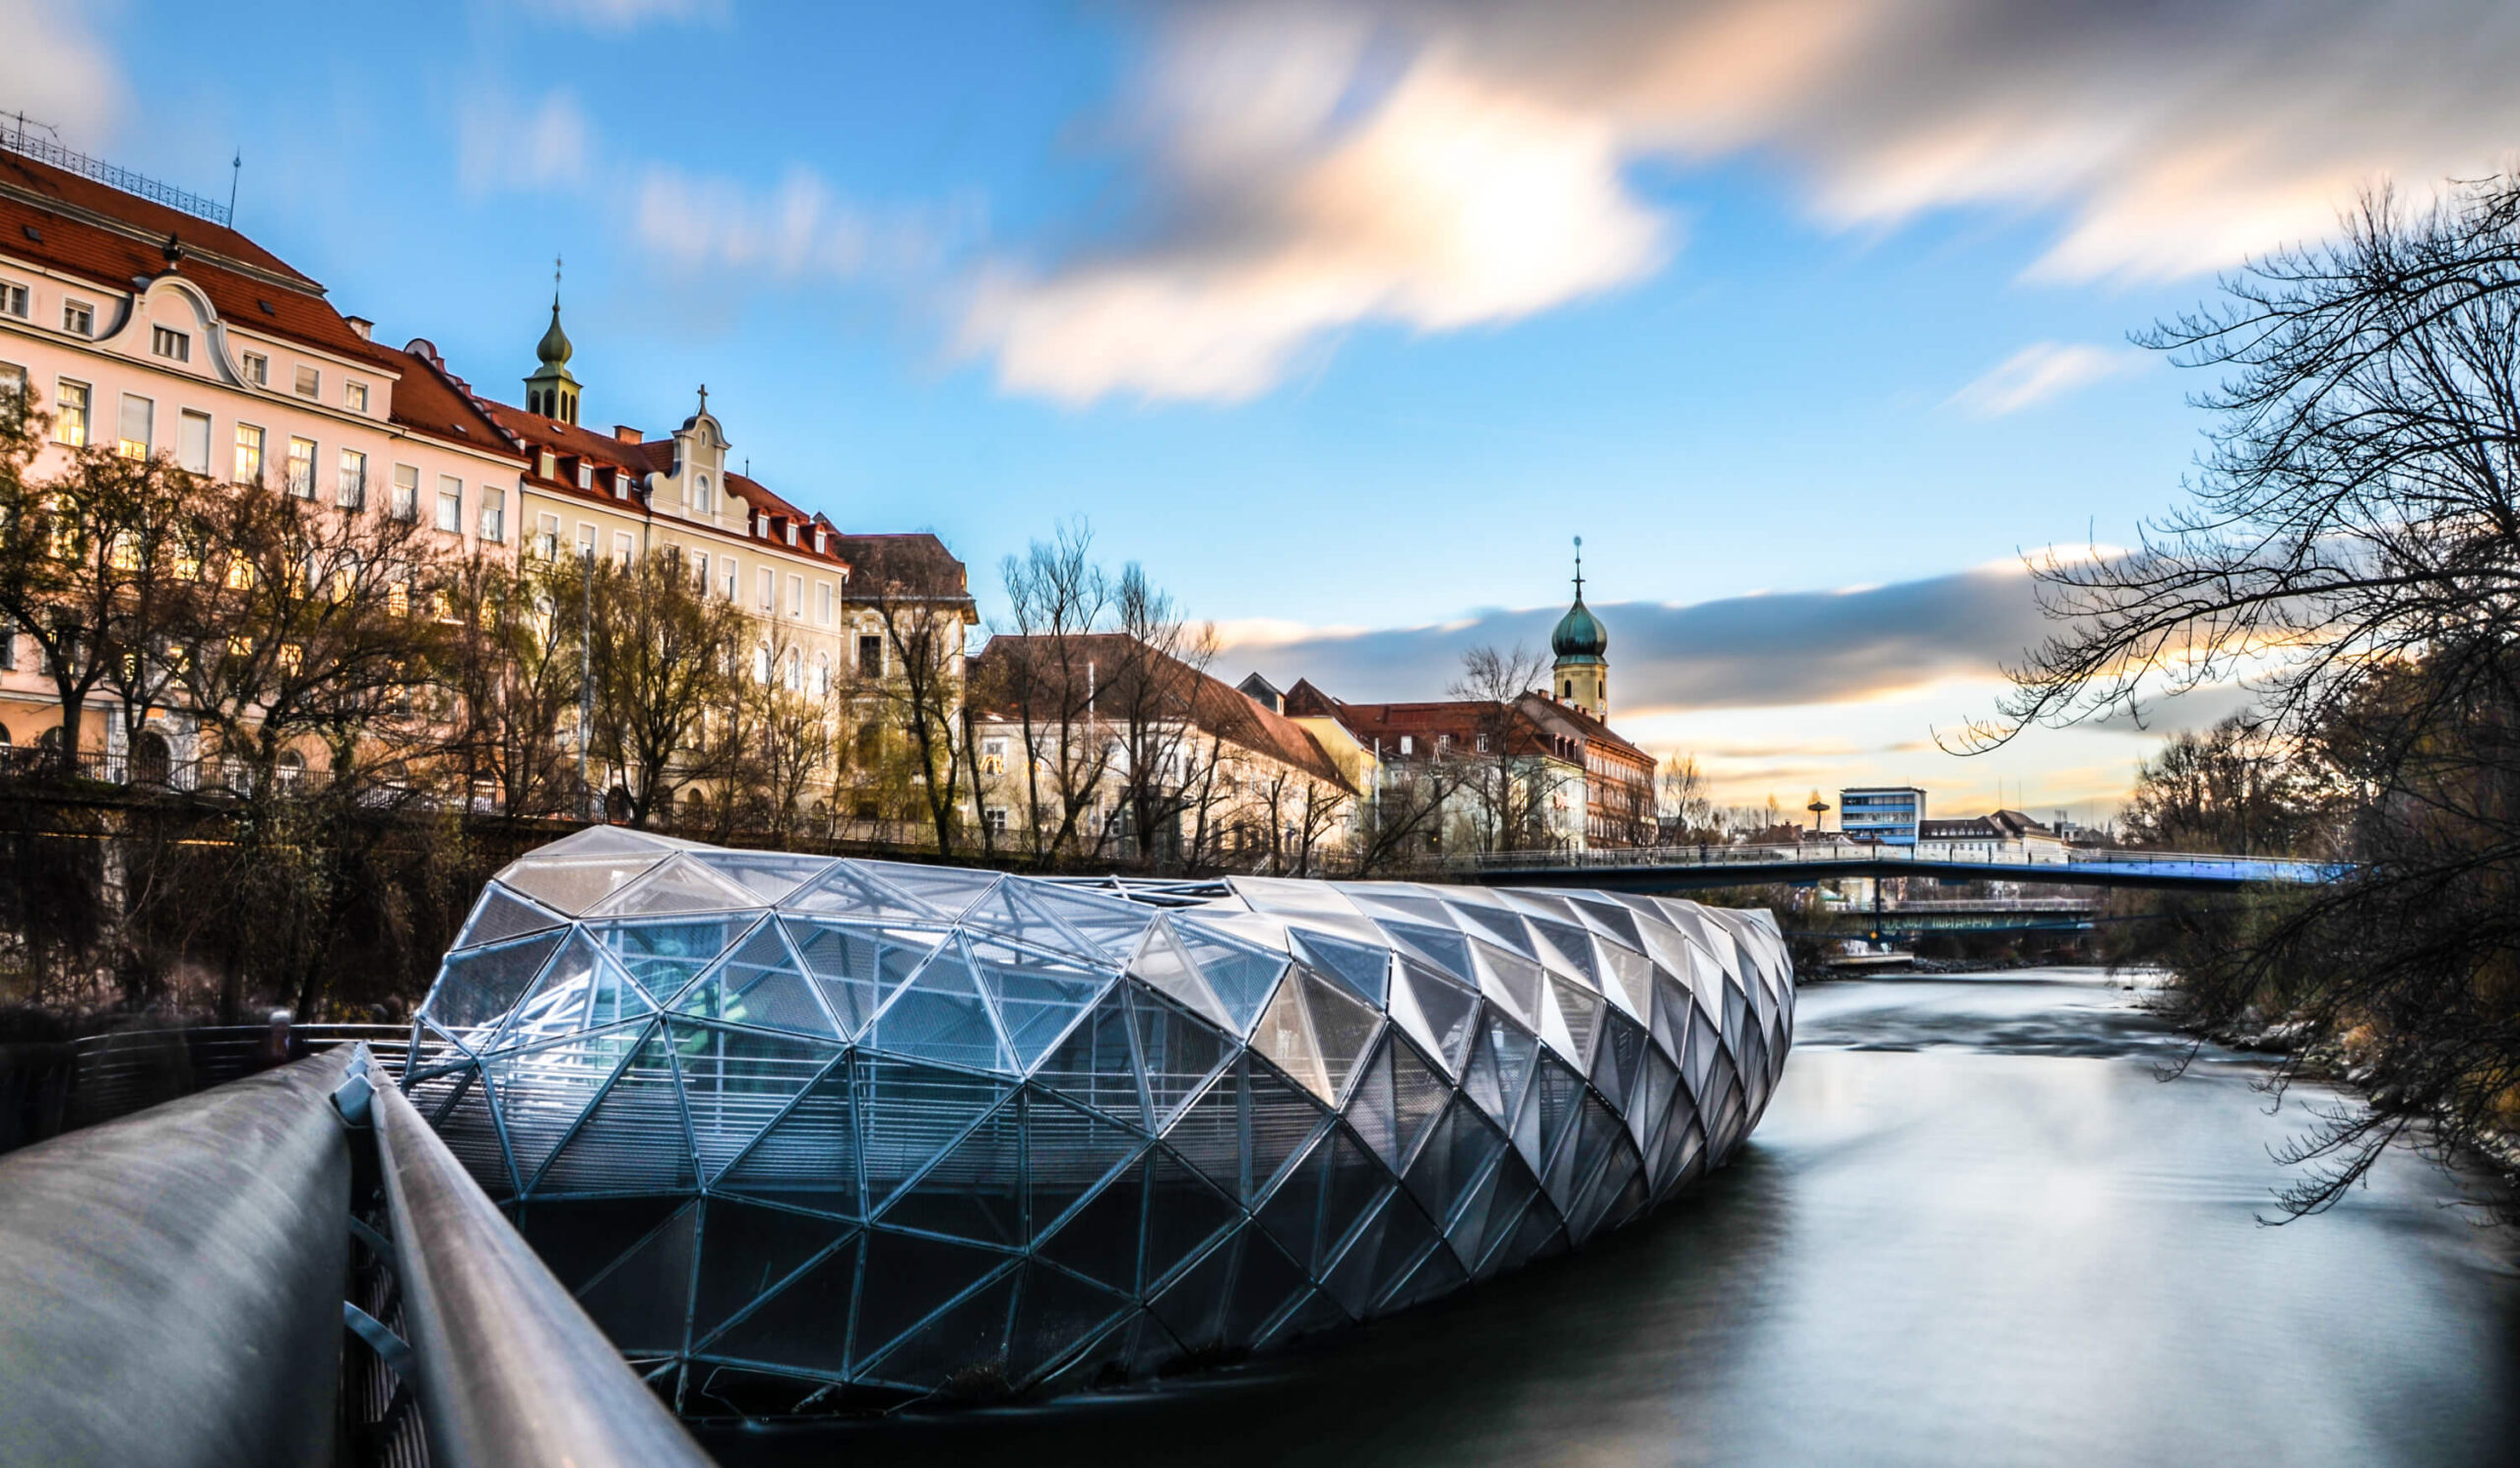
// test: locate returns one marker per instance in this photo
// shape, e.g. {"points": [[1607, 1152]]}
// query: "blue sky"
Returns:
{"points": [[1343, 319]]}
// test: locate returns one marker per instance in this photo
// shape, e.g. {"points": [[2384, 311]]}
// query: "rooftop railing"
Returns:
{"points": [[17, 136]]}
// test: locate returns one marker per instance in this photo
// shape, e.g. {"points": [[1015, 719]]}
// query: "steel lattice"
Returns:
{"points": [[805, 1134]]}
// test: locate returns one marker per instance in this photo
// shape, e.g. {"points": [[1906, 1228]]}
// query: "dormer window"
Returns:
{"points": [[78, 318], [170, 344], [354, 397], [258, 369], [822, 540], [620, 484], [547, 465], [586, 475], [792, 533], [701, 502]]}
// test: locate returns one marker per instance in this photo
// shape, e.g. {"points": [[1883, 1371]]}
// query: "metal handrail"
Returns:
{"points": [[18, 139], [510, 1370], [2276, 868]]}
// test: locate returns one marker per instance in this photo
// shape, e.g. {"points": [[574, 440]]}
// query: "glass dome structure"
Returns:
{"points": [[808, 1134]]}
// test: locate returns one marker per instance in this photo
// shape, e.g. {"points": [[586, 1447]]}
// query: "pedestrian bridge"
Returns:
{"points": [[1677, 869]]}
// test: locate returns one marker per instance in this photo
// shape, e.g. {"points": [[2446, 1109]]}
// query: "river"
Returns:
{"points": [[1976, 1226]]}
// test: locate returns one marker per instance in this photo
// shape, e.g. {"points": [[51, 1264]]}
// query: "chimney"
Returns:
{"points": [[360, 325], [628, 434]]}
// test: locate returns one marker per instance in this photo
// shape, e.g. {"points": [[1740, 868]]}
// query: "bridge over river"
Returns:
{"points": [[1681, 868]]}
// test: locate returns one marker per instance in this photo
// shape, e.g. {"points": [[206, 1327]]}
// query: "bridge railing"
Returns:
{"points": [[2029, 863], [49, 1088]]}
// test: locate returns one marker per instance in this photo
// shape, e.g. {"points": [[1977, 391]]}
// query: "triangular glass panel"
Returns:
{"points": [[1611, 920], [947, 892], [1369, 1107], [1489, 1219], [1183, 1212], [908, 1277], [807, 1157], [502, 915], [852, 891], [1037, 995], [1292, 896], [1557, 1093], [768, 875], [1352, 1180], [542, 1092], [1457, 1153], [1567, 947], [575, 884], [1497, 924], [578, 1239], [1481, 1083], [642, 1302], [1439, 1015], [737, 1082], [480, 986], [941, 1016], [678, 884], [1582, 1012], [1208, 1134], [664, 956], [1443, 947], [1277, 1120], [970, 1332], [469, 1124], [1068, 1153], [1100, 1237], [556, 1005], [858, 965], [1343, 1028], [1314, 1313], [1192, 1306], [1351, 1279], [1054, 1312], [1616, 1054], [613, 841], [1096, 1065], [1438, 1274], [1237, 974], [1010, 912], [1628, 978], [1406, 1238], [760, 984], [1175, 1052], [1672, 1008], [1575, 1161], [1364, 969], [1537, 1236], [1292, 1213], [747, 1251], [634, 1140], [1283, 1037], [1112, 925], [1417, 1095], [804, 1326], [1658, 1082], [1512, 984], [974, 1191], [910, 1115], [1162, 966], [1514, 1050]]}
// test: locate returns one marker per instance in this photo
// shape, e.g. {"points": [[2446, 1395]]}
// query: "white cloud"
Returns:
{"points": [[796, 229], [501, 147], [57, 71], [1313, 168], [2043, 370]]}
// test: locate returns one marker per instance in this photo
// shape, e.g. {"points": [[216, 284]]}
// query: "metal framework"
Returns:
{"points": [[807, 1134]]}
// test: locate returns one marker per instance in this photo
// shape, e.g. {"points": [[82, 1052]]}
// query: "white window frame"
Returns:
{"points": [[15, 299], [249, 438], [309, 383], [187, 419], [796, 597], [494, 513], [170, 344], [349, 488], [73, 426], [450, 504], [301, 467], [623, 549], [78, 317], [824, 601], [406, 505], [256, 368], [146, 443]]}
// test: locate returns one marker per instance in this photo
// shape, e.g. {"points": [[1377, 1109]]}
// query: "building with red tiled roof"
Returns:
{"points": [[1244, 785]]}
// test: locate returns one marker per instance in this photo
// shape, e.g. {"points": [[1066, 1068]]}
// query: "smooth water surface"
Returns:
{"points": [[1976, 1226]]}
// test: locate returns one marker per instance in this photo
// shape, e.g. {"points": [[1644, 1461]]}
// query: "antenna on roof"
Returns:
{"points": [[235, 172], [1579, 568], [556, 280]]}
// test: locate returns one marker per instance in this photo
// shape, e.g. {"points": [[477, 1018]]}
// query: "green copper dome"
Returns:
{"points": [[1580, 635], [554, 348]]}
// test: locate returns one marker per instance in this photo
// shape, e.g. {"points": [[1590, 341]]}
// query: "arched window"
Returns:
{"points": [[822, 681], [703, 495], [761, 664]]}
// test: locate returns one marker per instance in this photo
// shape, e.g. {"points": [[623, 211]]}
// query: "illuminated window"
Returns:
{"points": [[249, 454]]}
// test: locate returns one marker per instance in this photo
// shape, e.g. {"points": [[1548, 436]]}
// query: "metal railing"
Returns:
{"points": [[47, 1089], [16, 137], [1813, 853]]}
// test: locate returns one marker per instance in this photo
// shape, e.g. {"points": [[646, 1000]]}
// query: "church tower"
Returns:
{"points": [[1582, 645], [551, 391]]}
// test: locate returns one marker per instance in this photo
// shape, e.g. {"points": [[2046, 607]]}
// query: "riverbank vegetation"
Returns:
{"points": [[2349, 553]]}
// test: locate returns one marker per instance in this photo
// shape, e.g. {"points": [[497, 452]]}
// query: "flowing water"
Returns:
{"points": [[1976, 1226]]}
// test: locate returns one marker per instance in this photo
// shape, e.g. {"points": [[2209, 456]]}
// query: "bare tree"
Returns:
{"points": [[1513, 784], [1150, 703], [1046, 677], [513, 678], [666, 655], [1687, 808], [920, 685]]}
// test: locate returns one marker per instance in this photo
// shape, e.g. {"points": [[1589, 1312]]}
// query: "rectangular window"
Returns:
{"points": [[547, 465], [730, 583], [78, 318], [769, 589], [795, 596], [450, 504], [620, 484], [138, 416], [995, 817], [354, 397], [258, 369], [586, 475], [13, 382], [351, 492], [622, 547], [170, 344], [494, 513], [192, 441], [249, 454], [12, 299], [310, 383], [8, 646], [406, 493], [822, 603], [547, 537], [586, 537], [700, 570], [302, 468], [871, 657], [70, 414]]}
